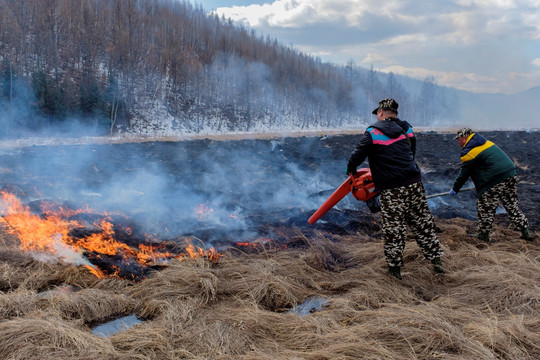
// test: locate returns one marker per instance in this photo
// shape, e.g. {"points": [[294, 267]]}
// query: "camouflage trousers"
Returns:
{"points": [[402, 206], [505, 193]]}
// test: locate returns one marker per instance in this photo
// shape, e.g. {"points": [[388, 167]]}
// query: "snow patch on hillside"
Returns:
{"points": [[153, 120]]}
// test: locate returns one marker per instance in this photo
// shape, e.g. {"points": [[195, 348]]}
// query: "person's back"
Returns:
{"points": [[485, 163], [391, 157]]}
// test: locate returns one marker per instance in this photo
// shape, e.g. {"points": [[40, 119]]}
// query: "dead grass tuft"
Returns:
{"points": [[51, 338]]}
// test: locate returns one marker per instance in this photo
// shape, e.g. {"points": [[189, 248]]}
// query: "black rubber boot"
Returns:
{"points": [[526, 234], [437, 265], [395, 271], [483, 237]]}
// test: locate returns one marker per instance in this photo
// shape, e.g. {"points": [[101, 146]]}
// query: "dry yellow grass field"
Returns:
{"points": [[487, 306]]}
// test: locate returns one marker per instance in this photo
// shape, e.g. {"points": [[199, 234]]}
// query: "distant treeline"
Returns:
{"points": [[104, 63]]}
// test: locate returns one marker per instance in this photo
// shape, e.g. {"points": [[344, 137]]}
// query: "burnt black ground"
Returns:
{"points": [[251, 188], [438, 156]]}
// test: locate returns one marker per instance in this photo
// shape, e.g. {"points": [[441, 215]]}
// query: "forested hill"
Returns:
{"points": [[166, 67]]}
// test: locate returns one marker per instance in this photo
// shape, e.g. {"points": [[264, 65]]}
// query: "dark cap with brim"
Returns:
{"points": [[387, 104], [463, 132]]}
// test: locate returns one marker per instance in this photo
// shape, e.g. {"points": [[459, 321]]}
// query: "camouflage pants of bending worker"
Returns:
{"points": [[505, 193], [407, 205]]}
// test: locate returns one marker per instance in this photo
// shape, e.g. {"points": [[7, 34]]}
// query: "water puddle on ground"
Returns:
{"points": [[311, 305], [115, 326]]}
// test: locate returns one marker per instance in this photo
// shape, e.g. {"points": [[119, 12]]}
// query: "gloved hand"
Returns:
{"points": [[452, 192], [351, 171]]}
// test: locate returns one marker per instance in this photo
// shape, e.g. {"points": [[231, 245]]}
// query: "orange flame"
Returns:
{"points": [[261, 242], [51, 232], [94, 270], [203, 211], [194, 252]]}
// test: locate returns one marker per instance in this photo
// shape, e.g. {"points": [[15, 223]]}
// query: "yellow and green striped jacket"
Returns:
{"points": [[485, 163]]}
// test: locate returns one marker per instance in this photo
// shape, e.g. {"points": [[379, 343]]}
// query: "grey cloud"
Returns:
{"points": [[442, 36]]}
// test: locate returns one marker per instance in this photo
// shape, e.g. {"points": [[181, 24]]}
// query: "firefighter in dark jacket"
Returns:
{"points": [[494, 177], [390, 146]]}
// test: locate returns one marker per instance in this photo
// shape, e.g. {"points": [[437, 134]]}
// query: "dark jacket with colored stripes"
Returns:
{"points": [[389, 152], [485, 163]]}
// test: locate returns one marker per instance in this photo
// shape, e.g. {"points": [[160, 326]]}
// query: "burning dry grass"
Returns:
{"points": [[487, 306]]}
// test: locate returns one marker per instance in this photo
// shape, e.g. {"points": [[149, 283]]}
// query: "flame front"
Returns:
{"points": [[203, 210], [51, 232], [34, 232]]}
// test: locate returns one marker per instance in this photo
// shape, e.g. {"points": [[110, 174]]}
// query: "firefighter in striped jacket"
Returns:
{"points": [[390, 147], [494, 176]]}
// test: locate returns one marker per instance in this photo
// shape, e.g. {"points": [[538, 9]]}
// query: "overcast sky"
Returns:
{"points": [[476, 45]]}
